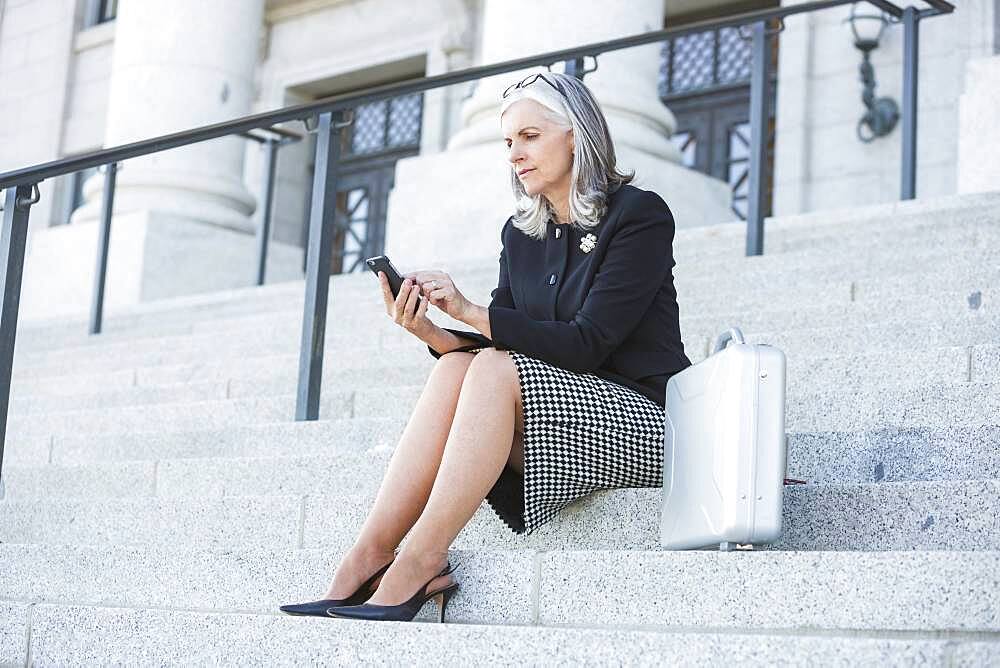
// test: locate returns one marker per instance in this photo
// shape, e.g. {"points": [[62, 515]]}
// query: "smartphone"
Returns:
{"points": [[382, 263]]}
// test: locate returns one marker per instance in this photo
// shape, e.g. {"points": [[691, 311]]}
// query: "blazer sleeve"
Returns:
{"points": [[635, 265], [501, 296]]}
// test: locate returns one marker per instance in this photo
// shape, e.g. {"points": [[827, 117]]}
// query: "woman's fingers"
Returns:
{"points": [[410, 306], [422, 309], [386, 292], [399, 303]]}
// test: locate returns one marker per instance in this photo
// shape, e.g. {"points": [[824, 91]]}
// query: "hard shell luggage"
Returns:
{"points": [[725, 448]]}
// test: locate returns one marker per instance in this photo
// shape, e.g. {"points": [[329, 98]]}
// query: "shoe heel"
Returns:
{"points": [[442, 602]]}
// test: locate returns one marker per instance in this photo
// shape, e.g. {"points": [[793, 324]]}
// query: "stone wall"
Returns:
{"points": [[820, 163], [36, 44]]}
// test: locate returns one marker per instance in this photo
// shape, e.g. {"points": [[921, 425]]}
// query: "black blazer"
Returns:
{"points": [[611, 311]]}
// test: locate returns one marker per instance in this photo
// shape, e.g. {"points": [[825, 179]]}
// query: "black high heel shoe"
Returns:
{"points": [[405, 611], [318, 608]]}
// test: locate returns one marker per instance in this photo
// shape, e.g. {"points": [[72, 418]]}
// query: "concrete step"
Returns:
{"points": [[207, 366], [285, 438], [149, 636], [843, 338], [956, 515], [895, 263], [892, 334], [698, 314], [931, 405], [286, 458], [945, 320], [279, 332], [882, 233], [361, 306], [345, 313], [275, 376], [103, 398], [894, 454], [170, 417], [805, 374], [791, 591], [891, 242], [175, 349], [880, 224], [966, 404]]}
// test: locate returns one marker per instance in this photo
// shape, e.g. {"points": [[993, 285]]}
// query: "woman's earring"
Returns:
{"points": [[588, 243]]}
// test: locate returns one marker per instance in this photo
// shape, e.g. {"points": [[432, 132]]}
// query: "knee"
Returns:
{"points": [[452, 365], [492, 366], [491, 360]]}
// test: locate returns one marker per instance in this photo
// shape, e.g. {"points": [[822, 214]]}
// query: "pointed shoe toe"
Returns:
{"points": [[316, 608], [319, 608]]}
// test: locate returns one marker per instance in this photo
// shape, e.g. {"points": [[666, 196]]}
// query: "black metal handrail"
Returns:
{"points": [[330, 115]]}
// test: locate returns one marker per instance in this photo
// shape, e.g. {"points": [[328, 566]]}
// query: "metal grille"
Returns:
{"points": [[369, 128], [703, 60], [351, 231], [404, 126], [705, 80], [687, 144], [738, 167], [691, 62], [733, 57], [386, 125]]}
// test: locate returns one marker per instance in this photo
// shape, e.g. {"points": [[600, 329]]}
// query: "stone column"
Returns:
{"points": [[625, 83], [451, 205], [178, 65], [181, 221]]}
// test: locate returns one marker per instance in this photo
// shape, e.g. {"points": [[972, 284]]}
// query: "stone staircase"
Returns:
{"points": [[161, 504]]}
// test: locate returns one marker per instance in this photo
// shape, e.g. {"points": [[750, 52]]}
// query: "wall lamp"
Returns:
{"points": [[882, 113]]}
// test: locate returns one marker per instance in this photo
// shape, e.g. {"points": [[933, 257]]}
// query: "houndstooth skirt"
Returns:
{"points": [[582, 433]]}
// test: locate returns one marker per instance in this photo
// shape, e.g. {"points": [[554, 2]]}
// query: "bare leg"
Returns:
{"points": [[486, 419], [408, 478]]}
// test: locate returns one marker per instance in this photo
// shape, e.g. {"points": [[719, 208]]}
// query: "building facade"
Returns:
{"points": [[422, 176]]}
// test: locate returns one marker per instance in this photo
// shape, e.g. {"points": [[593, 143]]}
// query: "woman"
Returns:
{"points": [[560, 390]]}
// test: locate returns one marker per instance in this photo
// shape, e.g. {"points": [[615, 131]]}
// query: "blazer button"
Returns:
{"points": [[558, 233], [552, 279]]}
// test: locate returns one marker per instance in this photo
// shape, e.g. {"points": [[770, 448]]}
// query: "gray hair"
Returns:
{"points": [[594, 174]]}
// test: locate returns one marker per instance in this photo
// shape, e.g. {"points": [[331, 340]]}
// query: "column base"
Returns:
{"points": [[450, 206], [151, 256]]}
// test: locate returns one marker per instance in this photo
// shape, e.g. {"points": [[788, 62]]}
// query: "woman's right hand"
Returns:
{"points": [[403, 308]]}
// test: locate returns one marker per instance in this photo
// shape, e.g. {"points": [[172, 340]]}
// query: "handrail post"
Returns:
{"points": [[759, 121], [911, 47], [13, 239], [103, 240], [319, 250], [264, 229]]}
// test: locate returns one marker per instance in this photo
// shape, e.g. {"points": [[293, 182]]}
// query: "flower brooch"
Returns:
{"points": [[588, 243]]}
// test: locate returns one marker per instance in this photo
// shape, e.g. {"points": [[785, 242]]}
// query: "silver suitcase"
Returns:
{"points": [[725, 448]]}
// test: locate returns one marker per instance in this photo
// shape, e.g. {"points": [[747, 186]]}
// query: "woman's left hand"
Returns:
{"points": [[438, 287]]}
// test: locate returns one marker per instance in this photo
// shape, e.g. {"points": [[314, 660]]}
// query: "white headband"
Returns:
{"points": [[540, 92]]}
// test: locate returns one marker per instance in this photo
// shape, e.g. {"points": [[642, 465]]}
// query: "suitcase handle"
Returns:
{"points": [[732, 334]]}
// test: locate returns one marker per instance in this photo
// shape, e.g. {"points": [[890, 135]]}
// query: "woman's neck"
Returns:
{"points": [[561, 216]]}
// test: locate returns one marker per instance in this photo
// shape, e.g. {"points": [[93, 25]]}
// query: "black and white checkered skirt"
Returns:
{"points": [[582, 433]]}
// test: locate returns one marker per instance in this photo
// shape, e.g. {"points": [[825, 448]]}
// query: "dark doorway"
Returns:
{"points": [[705, 81], [382, 133]]}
